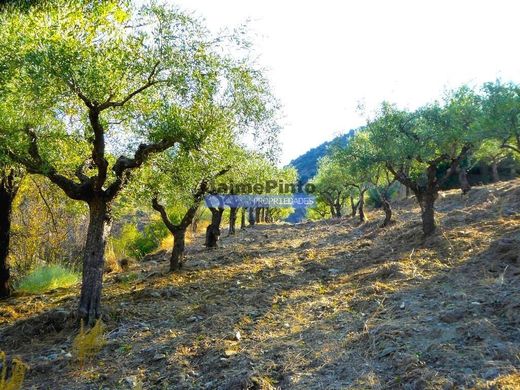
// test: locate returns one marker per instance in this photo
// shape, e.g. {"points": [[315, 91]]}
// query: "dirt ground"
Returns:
{"points": [[318, 305]]}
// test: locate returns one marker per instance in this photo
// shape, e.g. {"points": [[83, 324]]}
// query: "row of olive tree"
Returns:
{"points": [[83, 82], [423, 149]]}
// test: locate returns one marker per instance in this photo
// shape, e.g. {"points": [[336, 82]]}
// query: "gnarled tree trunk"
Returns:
{"points": [[251, 216], [232, 219], [94, 260], [387, 209], [213, 230], [353, 206], [179, 243], [494, 172], [243, 218], [427, 202], [337, 207], [361, 206], [9, 185], [463, 181]]}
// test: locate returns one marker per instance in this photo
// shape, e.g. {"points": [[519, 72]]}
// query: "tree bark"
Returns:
{"points": [[232, 220], [213, 230], [387, 209], [361, 206], [427, 202], [243, 218], [94, 259], [9, 185], [257, 215], [354, 206], [337, 208], [251, 216], [495, 177], [179, 243], [463, 181]]}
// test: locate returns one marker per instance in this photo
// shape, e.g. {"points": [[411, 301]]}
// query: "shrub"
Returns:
{"points": [[88, 343], [47, 278], [133, 243], [17, 376]]}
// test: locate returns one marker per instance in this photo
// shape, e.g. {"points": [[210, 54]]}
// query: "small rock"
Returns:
{"points": [[333, 271], [402, 305], [452, 316], [286, 325], [68, 355], [159, 356], [492, 373], [238, 336], [131, 381], [52, 356]]}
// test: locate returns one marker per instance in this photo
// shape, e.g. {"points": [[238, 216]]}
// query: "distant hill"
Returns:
{"points": [[307, 164]]}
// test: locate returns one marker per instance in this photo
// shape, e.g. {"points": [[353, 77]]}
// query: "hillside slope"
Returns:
{"points": [[307, 163], [322, 305]]}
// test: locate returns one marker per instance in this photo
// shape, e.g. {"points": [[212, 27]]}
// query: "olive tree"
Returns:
{"points": [[332, 183], [111, 80], [423, 149]]}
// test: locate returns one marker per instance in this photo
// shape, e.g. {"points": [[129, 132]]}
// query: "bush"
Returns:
{"points": [[131, 242], [47, 278], [17, 374], [88, 343]]}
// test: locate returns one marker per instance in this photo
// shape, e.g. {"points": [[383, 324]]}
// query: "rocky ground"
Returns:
{"points": [[319, 305]]}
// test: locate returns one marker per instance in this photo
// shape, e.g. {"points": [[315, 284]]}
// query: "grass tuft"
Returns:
{"points": [[88, 343], [47, 278], [17, 375]]}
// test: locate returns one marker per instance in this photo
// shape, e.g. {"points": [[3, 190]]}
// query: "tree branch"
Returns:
{"points": [[149, 82], [124, 164]]}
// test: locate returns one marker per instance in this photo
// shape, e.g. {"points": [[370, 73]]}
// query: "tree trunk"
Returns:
{"points": [[213, 230], [93, 260], [7, 194], [388, 212], [354, 206], [179, 243], [332, 211], [232, 220], [361, 206], [243, 218], [495, 177], [463, 181], [257, 215], [337, 207], [427, 202], [251, 218]]}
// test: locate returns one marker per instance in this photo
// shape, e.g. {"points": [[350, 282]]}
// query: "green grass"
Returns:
{"points": [[47, 278]]}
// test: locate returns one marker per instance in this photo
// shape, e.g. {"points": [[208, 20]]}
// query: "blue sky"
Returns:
{"points": [[325, 57]]}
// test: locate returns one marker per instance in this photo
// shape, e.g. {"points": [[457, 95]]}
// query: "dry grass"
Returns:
{"points": [[330, 304]]}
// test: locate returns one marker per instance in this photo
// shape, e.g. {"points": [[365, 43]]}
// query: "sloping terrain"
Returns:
{"points": [[322, 305]]}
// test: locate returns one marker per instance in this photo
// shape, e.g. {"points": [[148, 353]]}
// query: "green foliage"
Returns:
{"points": [[134, 243], [47, 278]]}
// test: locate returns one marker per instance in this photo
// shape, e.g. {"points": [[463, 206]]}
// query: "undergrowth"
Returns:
{"points": [[17, 376], [47, 278], [88, 343]]}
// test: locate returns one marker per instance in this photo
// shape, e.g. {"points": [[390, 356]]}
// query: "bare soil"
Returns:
{"points": [[319, 305]]}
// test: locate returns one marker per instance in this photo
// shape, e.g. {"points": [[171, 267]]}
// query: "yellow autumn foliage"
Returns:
{"points": [[17, 375], [88, 343]]}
